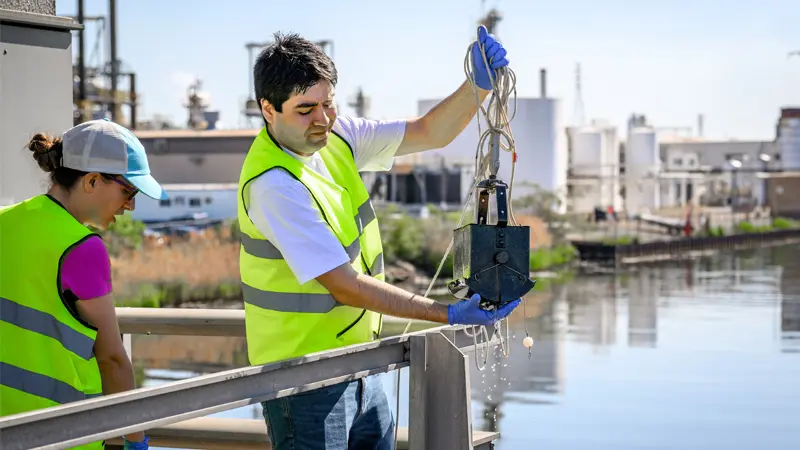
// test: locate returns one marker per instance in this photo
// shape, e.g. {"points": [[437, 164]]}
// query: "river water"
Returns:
{"points": [[701, 354]]}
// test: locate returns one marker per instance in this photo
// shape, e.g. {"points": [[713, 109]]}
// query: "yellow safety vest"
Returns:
{"points": [[47, 351], [285, 319]]}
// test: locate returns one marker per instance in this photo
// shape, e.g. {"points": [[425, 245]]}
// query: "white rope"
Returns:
{"points": [[497, 120]]}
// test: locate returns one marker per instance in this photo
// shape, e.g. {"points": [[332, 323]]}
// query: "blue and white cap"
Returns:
{"points": [[106, 147]]}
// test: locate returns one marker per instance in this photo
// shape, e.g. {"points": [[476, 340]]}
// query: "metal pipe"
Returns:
{"points": [[112, 16], [81, 65], [132, 93], [543, 83]]}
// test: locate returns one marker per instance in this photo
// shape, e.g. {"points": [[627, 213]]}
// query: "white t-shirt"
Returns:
{"points": [[284, 211]]}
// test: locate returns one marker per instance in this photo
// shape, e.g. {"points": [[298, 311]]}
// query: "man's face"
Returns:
{"points": [[306, 120]]}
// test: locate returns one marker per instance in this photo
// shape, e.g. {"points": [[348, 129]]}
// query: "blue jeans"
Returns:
{"points": [[353, 415]]}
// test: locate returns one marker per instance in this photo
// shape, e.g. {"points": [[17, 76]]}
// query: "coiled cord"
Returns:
{"points": [[495, 114]]}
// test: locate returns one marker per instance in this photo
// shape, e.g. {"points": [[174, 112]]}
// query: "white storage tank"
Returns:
{"points": [[789, 138], [611, 168], [641, 151], [642, 169], [588, 152], [540, 140]]}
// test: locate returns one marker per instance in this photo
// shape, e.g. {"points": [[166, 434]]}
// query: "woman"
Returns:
{"points": [[56, 303]]}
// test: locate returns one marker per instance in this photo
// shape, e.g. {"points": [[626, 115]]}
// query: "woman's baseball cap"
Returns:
{"points": [[106, 147]]}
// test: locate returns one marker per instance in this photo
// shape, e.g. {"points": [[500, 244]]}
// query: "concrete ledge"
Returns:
{"points": [[38, 20], [214, 433]]}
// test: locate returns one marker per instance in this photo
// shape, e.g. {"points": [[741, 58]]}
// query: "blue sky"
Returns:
{"points": [[669, 60]]}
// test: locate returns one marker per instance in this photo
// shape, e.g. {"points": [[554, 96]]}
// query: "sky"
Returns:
{"points": [[667, 59]]}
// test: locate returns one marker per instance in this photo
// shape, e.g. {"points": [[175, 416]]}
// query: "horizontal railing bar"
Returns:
{"points": [[181, 321], [233, 434], [214, 322], [118, 414]]}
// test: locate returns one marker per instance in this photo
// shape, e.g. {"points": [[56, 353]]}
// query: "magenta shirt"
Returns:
{"points": [[86, 270]]}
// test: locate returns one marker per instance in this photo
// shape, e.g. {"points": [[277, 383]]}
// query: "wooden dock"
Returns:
{"points": [[598, 251]]}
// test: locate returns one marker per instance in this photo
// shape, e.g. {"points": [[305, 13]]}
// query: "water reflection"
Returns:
{"points": [[693, 355]]}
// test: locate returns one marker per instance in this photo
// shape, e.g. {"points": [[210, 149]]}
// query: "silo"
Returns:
{"points": [[586, 169], [587, 152], [642, 168], [611, 166], [540, 140], [789, 138]]}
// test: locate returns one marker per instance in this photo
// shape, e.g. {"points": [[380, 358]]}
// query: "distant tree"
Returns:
{"points": [[544, 204]]}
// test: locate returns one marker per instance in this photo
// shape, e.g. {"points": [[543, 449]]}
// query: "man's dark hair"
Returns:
{"points": [[290, 65]]}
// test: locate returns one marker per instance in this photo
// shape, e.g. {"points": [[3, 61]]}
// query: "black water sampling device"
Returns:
{"points": [[492, 260]]}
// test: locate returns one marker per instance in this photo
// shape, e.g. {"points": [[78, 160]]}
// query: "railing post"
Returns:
{"points": [[127, 342], [440, 415]]}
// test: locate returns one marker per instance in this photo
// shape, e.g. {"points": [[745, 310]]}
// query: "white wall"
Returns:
{"points": [[540, 141], [789, 143], [35, 97]]}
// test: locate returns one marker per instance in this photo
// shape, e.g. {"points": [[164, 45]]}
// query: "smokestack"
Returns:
{"points": [[543, 83], [699, 125]]}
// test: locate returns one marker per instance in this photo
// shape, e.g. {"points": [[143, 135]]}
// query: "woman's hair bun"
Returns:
{"points": [[46, 151]]}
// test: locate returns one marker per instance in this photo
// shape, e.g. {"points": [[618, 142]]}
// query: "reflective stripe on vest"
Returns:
{"points": [[39, 385], [47, 325]]}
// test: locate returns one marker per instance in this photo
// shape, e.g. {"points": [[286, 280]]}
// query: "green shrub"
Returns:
{"points": [[747, 227], [544, 258], [126, 233], [782, 223]]}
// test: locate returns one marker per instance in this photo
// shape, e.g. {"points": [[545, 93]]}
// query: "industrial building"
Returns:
{"points": [[196, 156], [652, 169]]}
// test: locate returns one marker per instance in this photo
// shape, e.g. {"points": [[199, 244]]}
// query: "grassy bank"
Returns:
{"points": [[204, 267]]}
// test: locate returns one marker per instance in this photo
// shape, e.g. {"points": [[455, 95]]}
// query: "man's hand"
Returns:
{"points": [[439, 126], [495, 55], [469, 312]]}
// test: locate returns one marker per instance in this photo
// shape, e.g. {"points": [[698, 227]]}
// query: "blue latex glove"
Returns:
{"points": [[469, 312], [143, 445], [495, 54]]}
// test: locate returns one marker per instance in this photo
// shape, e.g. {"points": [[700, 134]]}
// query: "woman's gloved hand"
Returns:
{"points": [[469, 312], [142, 445]]}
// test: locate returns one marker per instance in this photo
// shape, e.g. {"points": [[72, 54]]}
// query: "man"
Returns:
{"points": [[311, 260]]}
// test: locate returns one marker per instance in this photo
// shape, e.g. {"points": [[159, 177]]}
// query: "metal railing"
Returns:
{"points": [[439, 388]]}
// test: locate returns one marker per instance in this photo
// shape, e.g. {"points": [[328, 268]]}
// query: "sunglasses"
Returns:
{"points": [[130, 191]]}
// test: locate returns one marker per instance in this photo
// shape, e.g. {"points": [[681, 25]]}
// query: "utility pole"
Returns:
{"points": [[112, 18], [359, 103], [82, 106]]}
